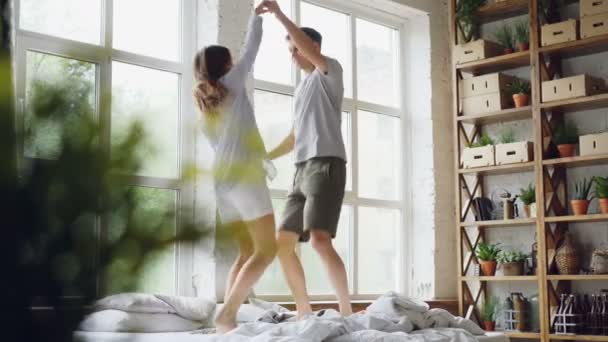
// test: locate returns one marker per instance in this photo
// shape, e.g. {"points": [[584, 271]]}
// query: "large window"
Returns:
{"points": [[370, 232], [128, 67]]}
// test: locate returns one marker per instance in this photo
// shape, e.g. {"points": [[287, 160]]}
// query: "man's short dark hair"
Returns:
{"points": [[312, 34]]}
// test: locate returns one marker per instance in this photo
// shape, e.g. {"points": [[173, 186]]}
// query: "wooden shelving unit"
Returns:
{"points": [[500, 223], [550, 174]]}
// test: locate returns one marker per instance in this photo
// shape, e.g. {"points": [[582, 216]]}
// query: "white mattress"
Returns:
{"points": [[82, 336], [85, 336]]}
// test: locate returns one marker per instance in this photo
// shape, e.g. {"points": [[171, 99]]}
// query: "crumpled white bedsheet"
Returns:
{"points": [[390, 318]]}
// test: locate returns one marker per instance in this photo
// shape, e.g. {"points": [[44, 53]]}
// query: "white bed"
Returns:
{"points": [[82, 336]]}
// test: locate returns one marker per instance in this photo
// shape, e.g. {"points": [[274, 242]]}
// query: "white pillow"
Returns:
{"points": [[133, 302], [120, 321], [196, 309]]}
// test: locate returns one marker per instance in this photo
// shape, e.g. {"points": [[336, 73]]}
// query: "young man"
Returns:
{"points": [[314, 203]]}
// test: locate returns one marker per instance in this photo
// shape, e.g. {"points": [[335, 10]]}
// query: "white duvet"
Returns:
{"points": [[390, 318]]}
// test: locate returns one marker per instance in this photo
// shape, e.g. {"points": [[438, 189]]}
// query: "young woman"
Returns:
{"points": [[243, 199]]}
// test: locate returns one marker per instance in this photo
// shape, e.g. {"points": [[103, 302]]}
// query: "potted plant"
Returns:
{"points": [[601, 192], [483, 140], [467, 20], [520, 90], [486, 255], [528, 198], [581, 199], [512, 262], [505, 37], [488, 313], [566, 138], [507, 136], [522, 35]]}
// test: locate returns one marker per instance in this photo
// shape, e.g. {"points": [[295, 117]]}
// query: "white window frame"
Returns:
{"points": [[352, 105], [103, 55]]}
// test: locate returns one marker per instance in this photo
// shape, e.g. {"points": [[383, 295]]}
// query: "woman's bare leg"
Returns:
{"points": [[239, 231], [262, 233]]}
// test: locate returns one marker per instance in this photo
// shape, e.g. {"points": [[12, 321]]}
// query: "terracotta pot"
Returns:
{"points": [[488, 268], [521, 100], [489, 325], [603, 205], [513, 268], [523, 46], [579, 207], [566, 150], [507, 51]]}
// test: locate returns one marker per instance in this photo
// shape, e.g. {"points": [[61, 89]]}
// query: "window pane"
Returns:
{"points": [[379, 156], [377, 251], [273, 63], [158, 274], [151, 96], [335, 29], [71, 19], [347, 136], [274, 118], [377, 68], [273, 281], [317, 281], [148, 27], [76, 79]]}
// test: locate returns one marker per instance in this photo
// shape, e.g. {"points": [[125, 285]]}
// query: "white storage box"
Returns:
{"points": [[485, 103], [517, 152], [478, 157], [595, 25], [591, 7], [571, 87], [486, 84], [566, 31], [594, 144], [476, 50]]}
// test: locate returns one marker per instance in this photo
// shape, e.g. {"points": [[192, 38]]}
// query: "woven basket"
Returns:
{"points": [[599, 262], [566, 257]]}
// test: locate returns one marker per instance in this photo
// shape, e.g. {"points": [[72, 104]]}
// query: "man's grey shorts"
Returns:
{"points": [[315, 199]]}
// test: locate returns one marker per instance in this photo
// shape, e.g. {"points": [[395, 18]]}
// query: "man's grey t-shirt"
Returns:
{"points": [[318, 114]]}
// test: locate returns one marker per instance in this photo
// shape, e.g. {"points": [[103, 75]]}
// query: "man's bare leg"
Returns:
{"points": [[321, 242], [292, 268]]}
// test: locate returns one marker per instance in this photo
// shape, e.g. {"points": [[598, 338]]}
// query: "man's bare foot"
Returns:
{"points": [[224, 323]]}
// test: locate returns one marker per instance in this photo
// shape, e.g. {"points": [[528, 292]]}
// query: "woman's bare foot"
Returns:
{"points": [[303, 315], [224, 323]]}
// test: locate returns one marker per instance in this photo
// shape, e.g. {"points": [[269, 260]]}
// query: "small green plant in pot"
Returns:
{"points": [[565, 138], [507, 136], [522, 35], [487, 255], [467, 20], [483, 140], [512, 262], [505, 37], [528, 198], [580, 201], [520, 90], [601, 192], [489, 311]]}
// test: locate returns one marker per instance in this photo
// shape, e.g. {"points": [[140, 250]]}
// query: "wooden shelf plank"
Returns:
{"points": [[501, 10], [504, 62], [512, 114], [500, 223], [578, 218], [578, 104], [517, 334], [581, 47], [578, 337], [578, 161], [500, 278], [500, 169], [588, 277]]}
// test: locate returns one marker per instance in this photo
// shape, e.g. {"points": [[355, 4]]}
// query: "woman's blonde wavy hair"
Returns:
{"points": [[210, 64]]}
